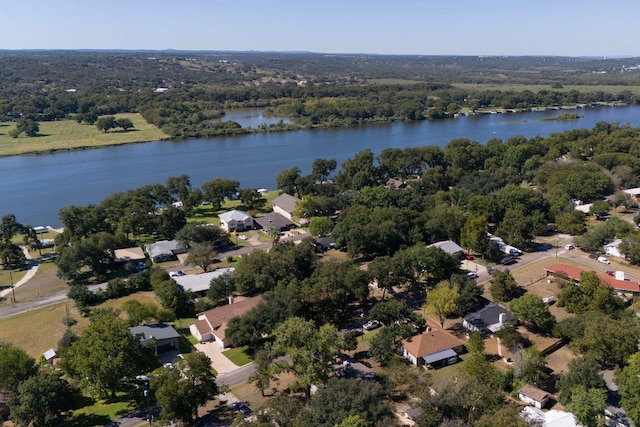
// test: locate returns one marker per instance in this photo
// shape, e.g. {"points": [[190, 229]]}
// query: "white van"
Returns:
{"points": [[604, 260]]}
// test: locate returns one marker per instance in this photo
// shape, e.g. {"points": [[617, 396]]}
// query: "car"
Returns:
{"points": [[569, 247], [611, 272], [371, 325], [242, 407], [243, 237], [215, 260], [508, 260], [491, 270], [549, 300], [141, 265], [604, 260], [472, 275], [593, 256], [468, 256], [176, 273]]}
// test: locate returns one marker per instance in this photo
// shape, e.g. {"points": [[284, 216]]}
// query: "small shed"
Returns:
{"points": [[533, 396]]}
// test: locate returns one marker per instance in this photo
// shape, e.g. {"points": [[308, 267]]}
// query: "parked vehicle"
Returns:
{"points": [[371, 325], [549, 300], [508, 260], [242, 407], [490, 270], [604, 260], [472, 275], [611, 272], [593, 256], [569, 247]]}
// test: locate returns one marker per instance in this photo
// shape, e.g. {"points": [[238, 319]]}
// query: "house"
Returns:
{"points": [[129, 254], [435, 348], [164, 250], [573, 273], [552, 418], [449, 246], [395, 183], [274, 220], [199, 283], [488, 320], [284, 204], [533, 396], [613, 248], [323, 244], [164, 337], [409, 413], [236, 221], [212, 324]]}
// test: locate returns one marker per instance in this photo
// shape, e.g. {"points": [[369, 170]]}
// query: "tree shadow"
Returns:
{"points": [[90, 420]]}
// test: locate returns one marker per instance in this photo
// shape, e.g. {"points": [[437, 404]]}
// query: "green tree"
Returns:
{"points": [[474, 234], [106, 123], [105, 354], [531, 310], [252, 198], [140, 312], [182, 389], [503, 286], [505, 416], [629, 386], [264, 373], [630, 247], [571, 223], [41, 400], [218, 190], [27, 126], [16, 366], [365, 399], [289, 181], [441, 300], [588, 406], [310, 351], [530, 366], [320, 226], [599, 208], [201, 254], [222, 287], [124, 123], [582, 372]]}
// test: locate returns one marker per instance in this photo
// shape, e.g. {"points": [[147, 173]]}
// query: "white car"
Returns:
{"points": [[604, 260], [371, 325], [472, 275], [569, 247]]}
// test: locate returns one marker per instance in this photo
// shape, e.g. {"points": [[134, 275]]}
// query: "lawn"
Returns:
{"points": [[103, 411], [238, 355], [45, 283], [68, 135], [39, 330]]}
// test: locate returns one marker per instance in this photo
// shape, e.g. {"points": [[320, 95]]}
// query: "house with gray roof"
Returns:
{"points": [[284, 204], [162, 335], [164, 250], [488, 320], [236, 220], [274, 220], [449, 246]]}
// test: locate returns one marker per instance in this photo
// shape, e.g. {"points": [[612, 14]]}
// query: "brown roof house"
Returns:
{"points": [[435, 347], [533, 396], [212, 324], [284, 205]]}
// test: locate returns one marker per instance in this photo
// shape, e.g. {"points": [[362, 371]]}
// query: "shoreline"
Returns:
{"points": [[255, 130]]}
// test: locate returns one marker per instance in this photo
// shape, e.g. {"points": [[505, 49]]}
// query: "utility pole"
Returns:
{"points": [[13, 292]]}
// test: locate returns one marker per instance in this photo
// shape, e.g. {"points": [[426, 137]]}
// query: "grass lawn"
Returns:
{"points": [[45, 283], [39, 330], [8, 276], [103, 411], [238, 355], [68, 135]]}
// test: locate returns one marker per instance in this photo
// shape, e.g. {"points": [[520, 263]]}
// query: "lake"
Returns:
{"points": [[34, 187]]}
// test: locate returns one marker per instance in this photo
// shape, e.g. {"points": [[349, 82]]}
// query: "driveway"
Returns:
{"points": [[219, 361]]}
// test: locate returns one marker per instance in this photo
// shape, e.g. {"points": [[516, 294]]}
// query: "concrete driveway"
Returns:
{"points": [[219, 361]]}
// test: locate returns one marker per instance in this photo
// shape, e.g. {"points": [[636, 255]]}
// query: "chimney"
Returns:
{"points": [[502, 318]]}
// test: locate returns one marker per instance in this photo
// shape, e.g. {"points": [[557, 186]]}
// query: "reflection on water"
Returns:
{"points": [[251, 117]]}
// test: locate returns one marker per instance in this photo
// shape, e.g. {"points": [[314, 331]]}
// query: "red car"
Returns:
{"points": [[611, 273], [468, 256]]}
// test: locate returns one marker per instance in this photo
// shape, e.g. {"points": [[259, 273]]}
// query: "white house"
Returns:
{"points": [[533, 396], [284, 204], [613, 248], [236, 221]]}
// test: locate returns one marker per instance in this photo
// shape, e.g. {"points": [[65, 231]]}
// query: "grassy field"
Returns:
{"points": [[68, 135]]}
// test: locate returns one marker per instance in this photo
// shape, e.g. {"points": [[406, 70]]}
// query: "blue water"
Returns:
{"points": [[35, 187]]}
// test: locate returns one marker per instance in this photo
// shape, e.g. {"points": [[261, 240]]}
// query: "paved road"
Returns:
{"points": [[238, 376]]}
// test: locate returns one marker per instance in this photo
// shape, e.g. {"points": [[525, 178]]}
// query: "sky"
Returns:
{"points": [[405, 27]]}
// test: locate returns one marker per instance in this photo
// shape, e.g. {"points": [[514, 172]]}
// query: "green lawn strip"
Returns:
{"points": [[68, 135], [238, 355], [368, 336], [105, 409], [187, 341], [7, 276]]}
